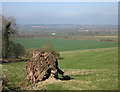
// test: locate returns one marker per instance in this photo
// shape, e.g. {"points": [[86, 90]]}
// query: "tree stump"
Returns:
{"points": [[41, 66]]}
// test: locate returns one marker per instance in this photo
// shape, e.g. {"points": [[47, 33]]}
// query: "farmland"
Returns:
{"points": [[65, 44], [91, 69]]}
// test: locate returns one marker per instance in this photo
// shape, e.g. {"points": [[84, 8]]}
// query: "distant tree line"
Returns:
{"points": [[69, 33]]}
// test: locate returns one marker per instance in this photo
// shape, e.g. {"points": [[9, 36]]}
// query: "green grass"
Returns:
{"points": [[15, 73], [90, 59], [65, 44], [95, 69]]}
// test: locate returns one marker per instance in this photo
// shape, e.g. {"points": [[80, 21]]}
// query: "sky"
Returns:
{"points": [[84, 13]]}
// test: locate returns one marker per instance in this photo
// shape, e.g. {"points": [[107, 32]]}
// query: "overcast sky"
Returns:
{"points": [[62, 12]]}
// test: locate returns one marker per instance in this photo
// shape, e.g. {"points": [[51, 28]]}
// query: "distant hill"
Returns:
{"points": [[64, 27]]}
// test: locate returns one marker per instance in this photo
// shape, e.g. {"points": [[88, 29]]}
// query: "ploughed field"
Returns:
{"points": [[93, 67], [66, 44]]}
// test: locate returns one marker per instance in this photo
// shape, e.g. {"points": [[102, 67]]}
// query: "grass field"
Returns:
{"points": [[91, 69], [65, 44]]}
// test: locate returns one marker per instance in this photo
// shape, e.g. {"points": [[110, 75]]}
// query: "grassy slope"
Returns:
{"points": [[91, 70], [90, 59], [65, 44], [95, 69]]}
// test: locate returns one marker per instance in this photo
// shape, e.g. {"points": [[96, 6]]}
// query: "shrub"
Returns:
{"points": [[16, 50], [29, 53], [48, 47], [45, 48]]}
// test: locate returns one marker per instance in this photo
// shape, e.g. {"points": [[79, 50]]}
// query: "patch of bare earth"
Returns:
{"points": [[51, 80], [68, 72], [46, 82]]}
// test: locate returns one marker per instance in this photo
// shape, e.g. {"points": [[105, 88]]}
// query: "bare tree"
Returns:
{"points": [[9, 29]]}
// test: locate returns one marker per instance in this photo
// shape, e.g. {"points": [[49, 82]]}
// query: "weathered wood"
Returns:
{"points": [[41, 66]]}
